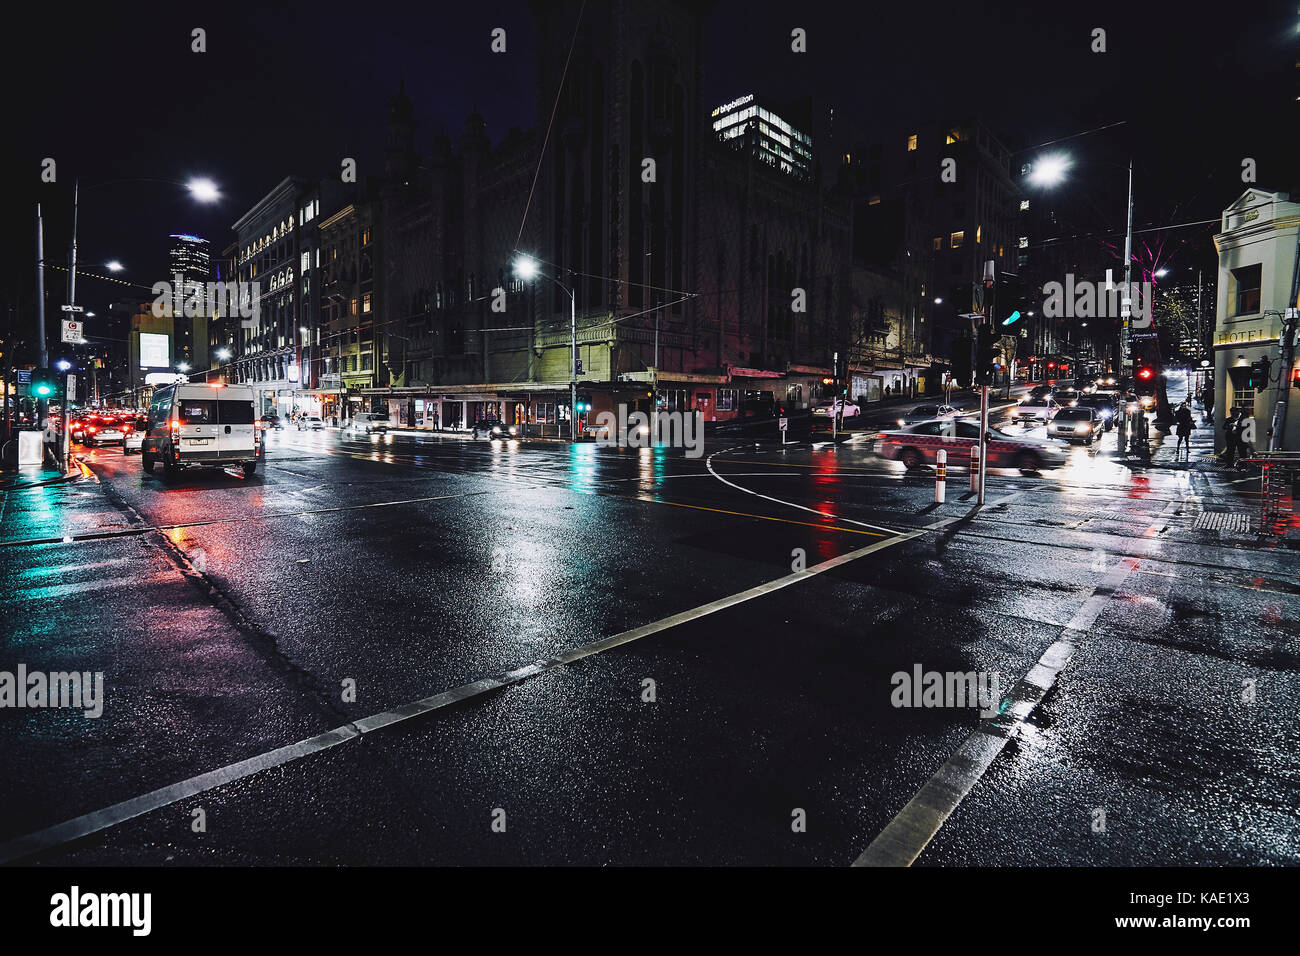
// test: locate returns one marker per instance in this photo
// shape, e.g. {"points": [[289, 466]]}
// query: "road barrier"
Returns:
{"points": [[940, 475], [974, 468]]}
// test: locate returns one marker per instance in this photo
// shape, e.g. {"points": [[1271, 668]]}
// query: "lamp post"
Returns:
{"points": [[526, 268]]}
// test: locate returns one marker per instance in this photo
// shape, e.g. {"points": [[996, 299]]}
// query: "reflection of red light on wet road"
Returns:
{"points": [[1140, 488]]}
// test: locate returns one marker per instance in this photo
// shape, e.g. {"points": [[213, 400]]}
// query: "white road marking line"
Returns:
{"points": [[708, 463], [913, 827], [98, 820]]}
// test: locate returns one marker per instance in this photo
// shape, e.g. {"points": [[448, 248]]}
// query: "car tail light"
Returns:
{"points": [[93, 428]]}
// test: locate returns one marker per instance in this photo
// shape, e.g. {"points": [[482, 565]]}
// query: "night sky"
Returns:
{"points": [[114, 92]]}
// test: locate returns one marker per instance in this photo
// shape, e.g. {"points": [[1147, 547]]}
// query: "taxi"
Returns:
{"points": [[916, 445]]}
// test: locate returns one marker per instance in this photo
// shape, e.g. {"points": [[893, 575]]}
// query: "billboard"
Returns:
{"points": [[155, 350]]}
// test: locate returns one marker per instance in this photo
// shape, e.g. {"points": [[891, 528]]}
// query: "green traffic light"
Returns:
{"points": [[1011, 318], [44, 390]]}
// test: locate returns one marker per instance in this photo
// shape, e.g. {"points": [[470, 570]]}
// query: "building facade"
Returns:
{"points": [[1259, 253]]}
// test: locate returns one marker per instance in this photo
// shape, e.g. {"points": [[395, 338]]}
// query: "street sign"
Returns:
{"points": [[72, 330], [24, 376], [72, 308], [782, 422], [72, 386]]}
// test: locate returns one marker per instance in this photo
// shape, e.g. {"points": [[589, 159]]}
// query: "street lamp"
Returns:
{"points": [[203, 189], [114, 265], [223, 355], [1049, 170], [526, 268]]}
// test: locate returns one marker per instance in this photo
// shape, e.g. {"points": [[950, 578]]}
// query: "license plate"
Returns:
{"points": [[197, 441]]}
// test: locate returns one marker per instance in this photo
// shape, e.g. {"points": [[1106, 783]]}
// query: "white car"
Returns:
{"points": [[134, 441], [311, 423], [369, 422], [1040, 409], [843, 409]]}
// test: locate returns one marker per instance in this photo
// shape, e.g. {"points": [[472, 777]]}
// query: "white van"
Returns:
{"points": [[211, 424]]}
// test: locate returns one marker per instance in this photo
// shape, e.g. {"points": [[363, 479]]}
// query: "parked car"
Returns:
{"points": [[916, 445], [310, 423], [492, 428], [1080, 424], [925, 413]]}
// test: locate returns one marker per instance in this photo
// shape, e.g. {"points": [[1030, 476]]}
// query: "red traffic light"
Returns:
{"points": [[1145, 373], [828, 381], [1051, 365]]}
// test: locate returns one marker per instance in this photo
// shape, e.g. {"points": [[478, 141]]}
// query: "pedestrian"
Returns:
{"points": [[1232, 433], [886, 390], [1184, 423]]}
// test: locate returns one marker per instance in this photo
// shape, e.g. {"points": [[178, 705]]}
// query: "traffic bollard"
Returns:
{"points": [[940, 475], [974, 468]]}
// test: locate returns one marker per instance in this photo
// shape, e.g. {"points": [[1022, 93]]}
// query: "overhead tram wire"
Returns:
{"points": [[550, 123]]}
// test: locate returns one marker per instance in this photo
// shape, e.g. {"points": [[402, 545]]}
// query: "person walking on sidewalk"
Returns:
{"points": [[1232, 433], [1183, 423]]}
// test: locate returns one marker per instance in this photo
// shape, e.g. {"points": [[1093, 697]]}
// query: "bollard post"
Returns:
{"points": [[975, 468], [940, 475]]}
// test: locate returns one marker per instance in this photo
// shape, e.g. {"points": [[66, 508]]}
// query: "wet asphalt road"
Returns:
{"points": [[230, 617]]}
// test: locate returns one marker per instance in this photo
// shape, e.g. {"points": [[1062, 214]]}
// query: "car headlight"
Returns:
{"points": [[1082, 428], [496, 430], [513, 431], [901, 423]]}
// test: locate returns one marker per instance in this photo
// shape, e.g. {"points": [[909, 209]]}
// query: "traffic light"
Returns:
{"points": [[1257, 377], [1146, 380], [1295, 378], [43, 383]]}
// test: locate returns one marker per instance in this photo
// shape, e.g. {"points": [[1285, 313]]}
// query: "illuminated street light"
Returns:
{"points": [[223, 354], [114, 266], [182, 366], [204, 190], [526, 267], [63, 365], [1049, 170]]}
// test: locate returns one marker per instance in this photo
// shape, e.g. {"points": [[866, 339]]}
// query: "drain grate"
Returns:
{"points": [[1222, 521]]}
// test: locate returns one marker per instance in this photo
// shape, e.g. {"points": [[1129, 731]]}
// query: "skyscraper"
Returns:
{"points": [[189, 258]]}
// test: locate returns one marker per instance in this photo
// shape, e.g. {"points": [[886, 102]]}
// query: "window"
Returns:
{"points": [[979, 233], [365, 302], [354, 307], [1246, 281], [911, 143], [727, 399], [954, 136], [201, 411], [938, 243], [305, 262], [955, 240], [367, 362], [235, 412], [1024, 205], [1023, 242]]}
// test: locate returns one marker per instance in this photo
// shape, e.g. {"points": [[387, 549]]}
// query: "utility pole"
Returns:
{"points": [[44, 357], [1127, 299], [1290, 318], [573, 364], [990, 295]]}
